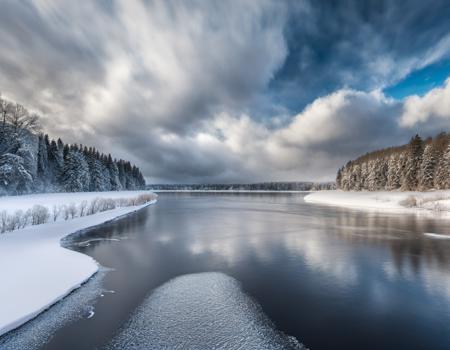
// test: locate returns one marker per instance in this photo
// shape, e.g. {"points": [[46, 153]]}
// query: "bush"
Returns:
{"points": [[83, 208], [57, 209], [144, 198], [409, 202], [39, 215]]}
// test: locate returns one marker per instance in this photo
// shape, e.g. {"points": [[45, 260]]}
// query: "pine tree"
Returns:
{"points": [[75, 174], [42, 162], [427, 168], [393, 174], [414, 160], [339, 179], [442, 175]]}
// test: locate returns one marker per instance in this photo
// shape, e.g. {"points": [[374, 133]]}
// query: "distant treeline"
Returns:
{"points": [[419, 165], [31, 162], [264, 186]]}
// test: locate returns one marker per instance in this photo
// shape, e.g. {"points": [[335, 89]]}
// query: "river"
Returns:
{"points": [[330, 277]]}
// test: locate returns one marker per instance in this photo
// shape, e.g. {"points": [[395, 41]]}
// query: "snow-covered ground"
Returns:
{"points": [[13, 203], [432, 202], [35, 270]]}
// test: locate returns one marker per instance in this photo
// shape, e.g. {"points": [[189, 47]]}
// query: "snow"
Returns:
{"points": [[432, 202], [13, 203], [36, 271], [201, 311], [436, 235]]}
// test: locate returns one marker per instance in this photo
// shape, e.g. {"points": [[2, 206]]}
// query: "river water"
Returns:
{"points": [[330, 277]]}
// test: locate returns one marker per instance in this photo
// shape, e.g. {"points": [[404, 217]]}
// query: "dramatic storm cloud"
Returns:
{"points": [[227, 91]]}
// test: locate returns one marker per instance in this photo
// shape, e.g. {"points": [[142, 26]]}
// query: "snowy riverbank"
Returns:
{"points": [[433, 202], [35, 270]]}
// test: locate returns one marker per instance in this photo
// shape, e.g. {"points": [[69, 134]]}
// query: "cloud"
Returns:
{"points": [[433, 106], [214, 91], [311, 146], [364, 45]]}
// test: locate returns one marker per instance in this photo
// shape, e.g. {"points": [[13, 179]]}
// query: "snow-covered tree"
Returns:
{"points": [[415, 149], [393, 173], [75, 173], [30, 161], [427, 169], [14, 177], [442, 174]]}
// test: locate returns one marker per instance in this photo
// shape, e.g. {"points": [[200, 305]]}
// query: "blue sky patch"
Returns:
{"points": [[420, 81]]}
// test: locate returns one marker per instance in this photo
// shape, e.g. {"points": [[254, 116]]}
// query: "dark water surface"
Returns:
{"points": [[331, 277]]}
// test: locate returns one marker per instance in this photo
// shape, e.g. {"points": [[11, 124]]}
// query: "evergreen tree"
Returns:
{"points": [[75, 174], [427, 168], [442, 175], [393, 174], [415, 149]]}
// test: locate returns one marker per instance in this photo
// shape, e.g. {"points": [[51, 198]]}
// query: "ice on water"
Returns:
{"points": [[201, 311]]}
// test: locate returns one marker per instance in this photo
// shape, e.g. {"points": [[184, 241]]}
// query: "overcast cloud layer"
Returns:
{"points": [[218, 91]]}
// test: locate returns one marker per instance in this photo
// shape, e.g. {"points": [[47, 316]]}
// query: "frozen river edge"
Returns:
{"points": [[37, 271], [433, 203]]}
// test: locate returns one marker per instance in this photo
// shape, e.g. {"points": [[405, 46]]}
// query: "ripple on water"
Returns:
{"points": [[201, 311]]}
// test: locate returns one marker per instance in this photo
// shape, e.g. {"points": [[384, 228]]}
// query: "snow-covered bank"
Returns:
{"points": [[35, 270], [401, 202], [13, 203]]}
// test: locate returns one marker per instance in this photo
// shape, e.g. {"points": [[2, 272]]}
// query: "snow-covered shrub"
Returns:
{"points": [[83, 208], [56, 211], [26, 218], [3, 220], [13, 221], [121, 202], [93, 206], [409, 202], [107, 204], [39, 214], [144, 198], [72, 209], [65, 212]]}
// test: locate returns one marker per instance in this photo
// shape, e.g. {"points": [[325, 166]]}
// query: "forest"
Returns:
{"points": [[32, 162], [420, 165], [263, 186]]}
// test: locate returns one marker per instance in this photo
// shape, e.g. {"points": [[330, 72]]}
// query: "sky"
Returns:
{"points": [[230, 91]]}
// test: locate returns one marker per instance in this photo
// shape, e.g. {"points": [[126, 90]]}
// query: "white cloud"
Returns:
{"points": [[177, 86], [434, 104]]}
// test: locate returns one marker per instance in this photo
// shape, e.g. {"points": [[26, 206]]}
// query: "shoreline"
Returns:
{"points": [[228, 191], [57, 271], [435, 204]]}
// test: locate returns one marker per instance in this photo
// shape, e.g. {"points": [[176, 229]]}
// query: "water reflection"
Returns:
{"points": [[330, 277]]}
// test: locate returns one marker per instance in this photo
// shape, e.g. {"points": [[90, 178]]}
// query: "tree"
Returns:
{"points": [[42, 161], [442, 175], [75, 174], [414, 160], [14, 177], [5, 108], [393, 174], [427, 167]]}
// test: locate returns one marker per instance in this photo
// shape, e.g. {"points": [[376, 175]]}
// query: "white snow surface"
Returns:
{"points": [[13, 203], [35, 270], [432, 202]]}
